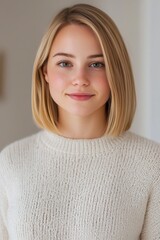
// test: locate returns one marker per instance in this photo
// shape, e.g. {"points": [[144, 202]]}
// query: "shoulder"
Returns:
{"points": [[131, 143], [143, 151], [21, 144], [18, 150], [141, 144]]}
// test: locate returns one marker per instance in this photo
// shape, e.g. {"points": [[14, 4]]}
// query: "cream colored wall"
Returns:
{"points": [[153, 63], [22, 24]]}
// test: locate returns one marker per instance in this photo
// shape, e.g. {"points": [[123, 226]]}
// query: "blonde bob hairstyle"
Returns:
{"points": [[120, 107]]}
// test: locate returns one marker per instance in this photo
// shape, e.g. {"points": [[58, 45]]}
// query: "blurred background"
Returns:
{"points": [[22, 25]]}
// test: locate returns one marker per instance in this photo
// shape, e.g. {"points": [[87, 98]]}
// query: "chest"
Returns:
{"points": [[84, 199]]}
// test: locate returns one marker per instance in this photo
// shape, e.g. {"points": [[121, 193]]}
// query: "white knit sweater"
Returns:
{"points": [[54, 188]]}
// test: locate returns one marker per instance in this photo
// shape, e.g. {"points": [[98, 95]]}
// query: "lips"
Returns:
{"points": [[80, 96]]}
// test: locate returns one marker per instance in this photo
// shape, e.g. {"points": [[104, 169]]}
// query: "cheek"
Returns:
{"points": [[57, 84], [56, 80], [103, 87], [102, 82]]}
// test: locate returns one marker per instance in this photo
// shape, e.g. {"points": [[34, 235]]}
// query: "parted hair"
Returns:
{"points": [[120, 107]]}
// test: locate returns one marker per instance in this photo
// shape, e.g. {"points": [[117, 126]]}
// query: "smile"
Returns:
{"points": [[80, 96]]}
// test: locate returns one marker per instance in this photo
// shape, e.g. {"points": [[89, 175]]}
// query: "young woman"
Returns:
{"points": [[85, 176]]}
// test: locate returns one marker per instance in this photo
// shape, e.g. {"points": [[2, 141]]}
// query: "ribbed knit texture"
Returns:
{"points": [[54, 188]]}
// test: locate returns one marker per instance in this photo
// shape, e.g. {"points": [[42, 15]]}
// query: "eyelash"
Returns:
{"points": [[92, 65], [101, 64], [61, 64]]}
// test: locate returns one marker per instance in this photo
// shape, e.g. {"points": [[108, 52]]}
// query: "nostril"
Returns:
{"points": [[80, 81]]}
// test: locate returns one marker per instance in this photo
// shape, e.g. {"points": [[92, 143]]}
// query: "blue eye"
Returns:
{"points": [[64, 64], [97, 65]]}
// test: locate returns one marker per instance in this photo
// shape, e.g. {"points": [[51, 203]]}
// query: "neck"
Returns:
{"points": [[78, 127]]}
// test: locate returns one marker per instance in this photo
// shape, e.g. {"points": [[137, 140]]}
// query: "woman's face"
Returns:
{"points": [[76, 72]]}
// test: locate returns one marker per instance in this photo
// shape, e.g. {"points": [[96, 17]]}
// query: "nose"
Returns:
{"points": [[80, 78]]}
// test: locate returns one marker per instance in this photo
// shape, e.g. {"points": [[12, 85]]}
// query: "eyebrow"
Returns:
{"points": [[72, 56]]}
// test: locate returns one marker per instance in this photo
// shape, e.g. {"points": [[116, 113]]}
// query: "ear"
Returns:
{"points": [[45, 74]]}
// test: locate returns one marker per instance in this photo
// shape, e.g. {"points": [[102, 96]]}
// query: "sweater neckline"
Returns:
{"points": [[81, 146]]}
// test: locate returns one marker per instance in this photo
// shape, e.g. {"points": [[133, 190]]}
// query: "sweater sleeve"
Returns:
{"points": [[151, 227], [3, 209]]}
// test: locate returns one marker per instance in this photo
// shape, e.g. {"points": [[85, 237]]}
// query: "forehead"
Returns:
{"points": [[75, 27], [74, 37]]}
